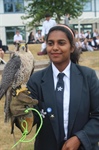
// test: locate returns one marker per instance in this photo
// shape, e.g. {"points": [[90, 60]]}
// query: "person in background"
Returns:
{"points": [[1, 52], [82, 36], [31, 38], [95, 34], [43, 48], [97, 42], [66, 19], [76, 34], [92, 43], [47, 24], [88, 35], [38, 37], [78, 44], [86, 46], [17, 37], [70, 122]]}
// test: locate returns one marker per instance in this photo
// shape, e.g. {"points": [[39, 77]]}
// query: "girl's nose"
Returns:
{"points": [[55, 46]]}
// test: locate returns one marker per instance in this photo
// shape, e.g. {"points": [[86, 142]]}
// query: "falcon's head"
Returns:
{"points": [[22, 47]]}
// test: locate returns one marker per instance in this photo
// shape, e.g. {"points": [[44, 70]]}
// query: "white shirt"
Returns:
{"points": [[66, 99], [17, 37], [92, 43], [82, 35], [97, 41], [38, 36], [95, 34], [47, 25], [43, 46]]}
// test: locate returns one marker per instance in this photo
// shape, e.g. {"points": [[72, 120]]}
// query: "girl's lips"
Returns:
{"points": [[55, 54]]}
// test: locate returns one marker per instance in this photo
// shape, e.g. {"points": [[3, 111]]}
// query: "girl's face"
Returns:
{"points": [[59, 49]]}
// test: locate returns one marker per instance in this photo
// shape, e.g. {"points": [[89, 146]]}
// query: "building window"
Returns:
{"points": [[88, 6], [10, 32], [16, 6], [84, 27], [96, 3]]}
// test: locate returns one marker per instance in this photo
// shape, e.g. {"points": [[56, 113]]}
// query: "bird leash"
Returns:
{"points": [[24, 134]]}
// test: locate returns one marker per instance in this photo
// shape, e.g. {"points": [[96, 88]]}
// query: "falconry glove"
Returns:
{"points": [[20, 118]]}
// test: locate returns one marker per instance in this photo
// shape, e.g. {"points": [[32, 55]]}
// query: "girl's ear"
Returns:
{"points": [[72, 50]]}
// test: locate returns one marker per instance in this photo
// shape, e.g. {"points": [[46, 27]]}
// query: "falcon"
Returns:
{"points": [[15, 74]]}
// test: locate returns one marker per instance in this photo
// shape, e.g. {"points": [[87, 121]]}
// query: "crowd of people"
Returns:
{"points": [[87, 41]]}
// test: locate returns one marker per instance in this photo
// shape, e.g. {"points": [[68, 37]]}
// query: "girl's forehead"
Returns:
{"points": [[57, 33]]}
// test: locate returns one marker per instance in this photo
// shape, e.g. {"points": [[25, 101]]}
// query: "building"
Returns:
{"points": [[12, 10], [10, 19], [89, 20]]}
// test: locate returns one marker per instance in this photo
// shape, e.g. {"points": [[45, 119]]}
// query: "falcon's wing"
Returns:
{"points": [[8, 74]]}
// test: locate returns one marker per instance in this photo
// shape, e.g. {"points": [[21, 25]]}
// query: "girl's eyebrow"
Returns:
{"points": [[50, 40], [57, 40]]}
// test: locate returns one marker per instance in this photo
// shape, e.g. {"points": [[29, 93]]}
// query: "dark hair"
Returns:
{"points": [[31, 35], [47, 15], [70, 35], [17, 31]]}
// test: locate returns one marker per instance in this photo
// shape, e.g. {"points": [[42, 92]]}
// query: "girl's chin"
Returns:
{"points": [[56, 61]]}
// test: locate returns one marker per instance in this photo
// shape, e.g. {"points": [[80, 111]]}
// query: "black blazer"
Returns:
{"points": [[83, 109]]}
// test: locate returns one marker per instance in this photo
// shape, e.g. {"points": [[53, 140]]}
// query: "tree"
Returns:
{"points": [[36, 10]]}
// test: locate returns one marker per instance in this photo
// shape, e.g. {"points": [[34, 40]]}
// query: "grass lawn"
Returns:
{"points": [[90, 59]]}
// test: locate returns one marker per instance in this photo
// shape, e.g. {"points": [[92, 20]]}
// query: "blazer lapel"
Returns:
{"points": [[50, 100], [75, 95]]}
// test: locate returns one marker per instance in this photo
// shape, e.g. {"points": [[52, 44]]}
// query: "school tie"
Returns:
{"points": [[59, 100]]}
